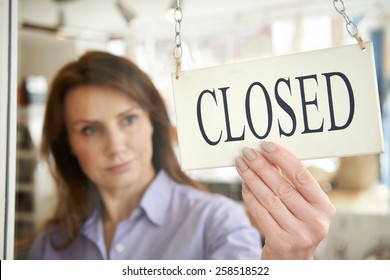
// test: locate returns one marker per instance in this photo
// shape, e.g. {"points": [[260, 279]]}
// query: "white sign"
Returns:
{"points": [[316, 104]]}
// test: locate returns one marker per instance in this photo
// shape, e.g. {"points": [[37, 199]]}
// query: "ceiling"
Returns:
{"points": [[102, 17]]}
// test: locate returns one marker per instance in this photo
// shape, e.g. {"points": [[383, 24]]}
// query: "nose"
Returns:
{"points": [[115, 141]]}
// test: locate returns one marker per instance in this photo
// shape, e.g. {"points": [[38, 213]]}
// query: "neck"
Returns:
{"points": [[118, 205]]}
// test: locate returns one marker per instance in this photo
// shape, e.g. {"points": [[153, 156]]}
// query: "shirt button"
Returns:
{"points": [[119, 247]]}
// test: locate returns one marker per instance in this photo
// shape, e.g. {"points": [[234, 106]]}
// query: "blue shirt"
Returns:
{"points": [[173, 221]]}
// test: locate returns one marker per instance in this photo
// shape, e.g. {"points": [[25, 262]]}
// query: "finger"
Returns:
{"points": [[278, 184], [265, 196], [265, 222], [293, 168]]}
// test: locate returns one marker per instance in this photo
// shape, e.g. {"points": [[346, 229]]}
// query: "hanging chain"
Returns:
{"points": [[350, 25], [177, 53]]}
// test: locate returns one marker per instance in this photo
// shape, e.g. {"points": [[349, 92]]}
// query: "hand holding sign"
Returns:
{"points": [[312, 103], [291, 210]]}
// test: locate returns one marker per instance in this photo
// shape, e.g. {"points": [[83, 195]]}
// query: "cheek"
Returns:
{"points": [[86, 156], [145, 142]]}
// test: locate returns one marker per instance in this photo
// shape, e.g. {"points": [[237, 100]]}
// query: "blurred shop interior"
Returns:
{"points": [[52, 32]]}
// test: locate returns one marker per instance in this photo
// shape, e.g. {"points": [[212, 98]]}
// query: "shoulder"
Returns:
{"points": [[216, 223], [200, 200], [164, 192], [227, 230], [45, 247], [37, 249], [167, 199], [43, 244]]}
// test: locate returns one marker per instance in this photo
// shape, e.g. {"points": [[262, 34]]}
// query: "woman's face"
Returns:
{"points": [[111, 136]]}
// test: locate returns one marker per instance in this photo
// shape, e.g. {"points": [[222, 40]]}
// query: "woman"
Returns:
{"points": [[122, 194]]}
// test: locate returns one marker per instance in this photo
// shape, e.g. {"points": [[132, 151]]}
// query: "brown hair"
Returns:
{"points": [[75, 192]]}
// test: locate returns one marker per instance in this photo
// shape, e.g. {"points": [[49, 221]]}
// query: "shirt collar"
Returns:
{"points": [[157, 198], [154, 203], [93, 229]]}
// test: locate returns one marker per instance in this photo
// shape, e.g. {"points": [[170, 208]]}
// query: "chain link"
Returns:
{"points": [[178, 51], [178, 16], [349, 24]]}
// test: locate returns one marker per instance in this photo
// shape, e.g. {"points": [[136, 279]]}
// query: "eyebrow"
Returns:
{"points": [[135, 107], [121, 114]]}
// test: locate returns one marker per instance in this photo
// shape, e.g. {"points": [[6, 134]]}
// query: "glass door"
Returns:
{"points": [[8, 54]]}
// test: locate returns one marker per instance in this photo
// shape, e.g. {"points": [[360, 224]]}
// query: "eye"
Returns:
{"points": [[89, 130], [129, 119]]}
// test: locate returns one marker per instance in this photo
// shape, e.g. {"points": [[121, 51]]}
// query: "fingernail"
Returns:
{"points": [[245, 188], [268, 146], [241, 164], [248, 153]]}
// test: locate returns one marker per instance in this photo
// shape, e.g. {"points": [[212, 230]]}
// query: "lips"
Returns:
{"points": [[119, 168]]}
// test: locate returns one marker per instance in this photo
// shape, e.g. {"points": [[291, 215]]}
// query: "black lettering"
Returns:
{"points": [[285, 108], [305, 103], [248, 110], [330, 99], [229, 138], [200, 121]]}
